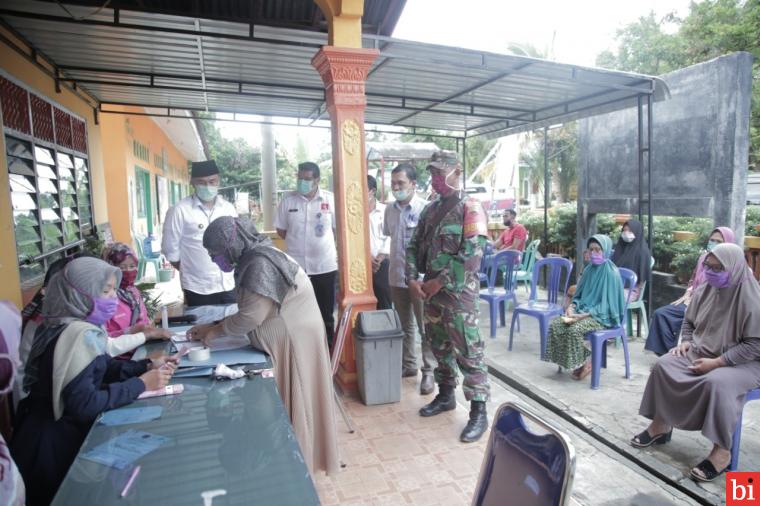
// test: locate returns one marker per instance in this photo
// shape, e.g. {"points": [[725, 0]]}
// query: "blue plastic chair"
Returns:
{"points": [[557, 279], [497, 297], [599, 338], [752, 395], [485, 262], [523, 467]]}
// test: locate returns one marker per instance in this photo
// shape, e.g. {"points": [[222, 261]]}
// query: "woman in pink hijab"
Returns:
{"points": [[665, 325], [12, 491], [130, 326]]}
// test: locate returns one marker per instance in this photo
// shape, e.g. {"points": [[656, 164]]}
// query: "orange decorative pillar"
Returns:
{"points": [[344, 72]]}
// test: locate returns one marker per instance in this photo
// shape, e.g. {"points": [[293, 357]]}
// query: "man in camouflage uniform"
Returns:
{"points": [[447, 247]]}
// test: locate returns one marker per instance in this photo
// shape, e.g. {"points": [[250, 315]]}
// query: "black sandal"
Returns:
{"points": [[709, 471], [644, 440]]}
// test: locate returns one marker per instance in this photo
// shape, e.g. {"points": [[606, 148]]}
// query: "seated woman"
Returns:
{"points": [[70, 378], [632, 252], [12, 490], [129, 327], [31, 319], [598, 303], [701, 384], [666, 321], [279, 313]]}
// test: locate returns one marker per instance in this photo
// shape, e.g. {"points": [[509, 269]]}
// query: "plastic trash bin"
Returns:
{"points": [[378, 342]]}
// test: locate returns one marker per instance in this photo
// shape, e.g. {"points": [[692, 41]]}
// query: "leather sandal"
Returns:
{"points": [[644, 440], [708, 470], [582, 371]]}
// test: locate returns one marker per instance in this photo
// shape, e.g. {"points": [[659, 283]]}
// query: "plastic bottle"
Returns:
{"points": [[164, 318]]}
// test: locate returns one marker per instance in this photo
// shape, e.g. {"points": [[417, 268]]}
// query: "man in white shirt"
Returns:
{"points": [[400, 222], [305, 219], [379, 247], [203, 282]]}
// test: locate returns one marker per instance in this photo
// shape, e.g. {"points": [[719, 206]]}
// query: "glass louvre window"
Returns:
{"points": [[82, 180]]}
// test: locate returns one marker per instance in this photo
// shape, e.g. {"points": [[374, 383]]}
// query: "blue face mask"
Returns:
{"points": [[304, 186], [400, 195], [206, 192], [711, 245]]}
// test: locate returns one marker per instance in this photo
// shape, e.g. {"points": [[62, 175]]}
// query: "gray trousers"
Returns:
{"points": [[409, 311]]}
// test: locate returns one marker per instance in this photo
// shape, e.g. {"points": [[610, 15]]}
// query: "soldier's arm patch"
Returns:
{"points": [[475, 221]]}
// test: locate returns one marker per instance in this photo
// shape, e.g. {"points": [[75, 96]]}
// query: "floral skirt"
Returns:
{"points": [[566, 345]]}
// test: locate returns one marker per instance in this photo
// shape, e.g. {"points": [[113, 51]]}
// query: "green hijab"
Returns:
{"points": [[600, 290]]}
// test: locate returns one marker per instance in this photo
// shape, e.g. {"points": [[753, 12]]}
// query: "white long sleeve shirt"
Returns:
{"points": [[182, 242], [310, 227], [379, 243]]}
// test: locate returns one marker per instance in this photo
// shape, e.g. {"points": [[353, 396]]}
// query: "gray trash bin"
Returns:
{"points": [[378, 342]]}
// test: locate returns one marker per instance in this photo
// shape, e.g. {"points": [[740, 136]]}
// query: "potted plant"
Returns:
{"points": [[166, 272]]}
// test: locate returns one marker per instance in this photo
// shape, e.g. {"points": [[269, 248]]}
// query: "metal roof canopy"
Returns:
{"points": [[178, 63]]}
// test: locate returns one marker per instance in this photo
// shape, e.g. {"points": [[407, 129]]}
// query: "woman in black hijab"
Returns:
{"points": [[632, 252]]}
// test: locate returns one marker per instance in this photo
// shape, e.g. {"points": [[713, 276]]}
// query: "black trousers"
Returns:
{"points": [[324, 290], [381, 286], [199, 299]]}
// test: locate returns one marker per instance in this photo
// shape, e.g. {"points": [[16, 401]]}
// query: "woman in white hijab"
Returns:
{"points": [[70, 377], [702, 382]]}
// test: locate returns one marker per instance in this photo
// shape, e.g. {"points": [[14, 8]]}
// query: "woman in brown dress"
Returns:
{"points": [[279, 313], [702, 382]]}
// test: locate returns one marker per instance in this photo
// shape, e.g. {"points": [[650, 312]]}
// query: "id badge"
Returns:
{"points": [[319, 230]]}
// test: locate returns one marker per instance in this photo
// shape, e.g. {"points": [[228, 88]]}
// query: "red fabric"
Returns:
{"points": [[516, 232]]}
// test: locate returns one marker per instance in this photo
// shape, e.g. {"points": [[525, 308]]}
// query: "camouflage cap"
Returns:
{"points": [[444, 159]]}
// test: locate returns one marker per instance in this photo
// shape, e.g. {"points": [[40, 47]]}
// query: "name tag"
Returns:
{"points": [[292, 210]]}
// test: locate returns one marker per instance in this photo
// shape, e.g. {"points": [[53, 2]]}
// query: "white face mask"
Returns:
{"points": [[628, 236]]}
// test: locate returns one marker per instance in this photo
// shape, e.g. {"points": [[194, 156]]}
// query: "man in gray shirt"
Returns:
{"points": [[400, 222]]}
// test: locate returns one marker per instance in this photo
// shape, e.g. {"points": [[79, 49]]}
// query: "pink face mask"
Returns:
{"points": [[717, 279], [438, 182], [597, 258], [128, 278]]}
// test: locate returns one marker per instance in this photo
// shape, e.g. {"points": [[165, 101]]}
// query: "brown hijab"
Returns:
{"points": [[723, 317]]}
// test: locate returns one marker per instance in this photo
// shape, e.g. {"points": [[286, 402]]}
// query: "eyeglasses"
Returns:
{"points": [[713, 267]]}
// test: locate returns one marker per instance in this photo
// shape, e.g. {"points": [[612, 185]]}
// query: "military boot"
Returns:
{"points": [[444, 401], [478, 422]]}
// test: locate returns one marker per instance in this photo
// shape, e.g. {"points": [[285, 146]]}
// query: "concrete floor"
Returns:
{"points": [[611, 412], [599, 423]]}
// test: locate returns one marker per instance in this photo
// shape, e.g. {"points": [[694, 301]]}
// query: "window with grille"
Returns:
{"points": [[48, 168]]}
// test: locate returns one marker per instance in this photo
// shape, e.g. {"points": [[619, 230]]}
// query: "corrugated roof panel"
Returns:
{"points": [[158, 63]]}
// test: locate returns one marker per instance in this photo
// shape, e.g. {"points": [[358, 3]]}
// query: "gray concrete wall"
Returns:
{"points": [[700, 149]]}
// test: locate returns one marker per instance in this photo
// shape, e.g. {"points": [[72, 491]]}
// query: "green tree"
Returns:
{"points": [[562, 147], [239, 162], [711, 29]]}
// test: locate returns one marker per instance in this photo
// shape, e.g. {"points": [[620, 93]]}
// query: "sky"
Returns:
{"points": [[570, 31]]}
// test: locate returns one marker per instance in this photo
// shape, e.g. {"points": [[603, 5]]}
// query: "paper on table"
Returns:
{"points": [[218, 344], [124, 449], [124, 416]]}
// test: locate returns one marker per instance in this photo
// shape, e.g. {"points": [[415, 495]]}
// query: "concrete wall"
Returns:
{"points": [[700, 149]]}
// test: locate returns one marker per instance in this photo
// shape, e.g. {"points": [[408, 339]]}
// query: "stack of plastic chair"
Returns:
{"points": [[523, 467], [497, 297], [752, 395], [557, 278], [639, 305], [143, 261], [599, 338], [525, 272]]}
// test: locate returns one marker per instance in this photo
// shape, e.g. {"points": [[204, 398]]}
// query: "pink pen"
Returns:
{"points": [[130, 481]]}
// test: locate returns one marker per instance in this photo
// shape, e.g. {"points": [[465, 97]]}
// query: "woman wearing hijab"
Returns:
{"points": [[598, 303], [278, 311], [70, 378], [701, 383], [129, 327], [632, 252], [12, 491], [666, 321]]}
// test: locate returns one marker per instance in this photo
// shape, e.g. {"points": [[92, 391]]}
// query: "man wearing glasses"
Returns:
{"points": [[447, 247]]}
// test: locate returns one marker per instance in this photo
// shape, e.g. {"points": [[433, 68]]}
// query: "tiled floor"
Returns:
{"points": [[396, 457]]}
